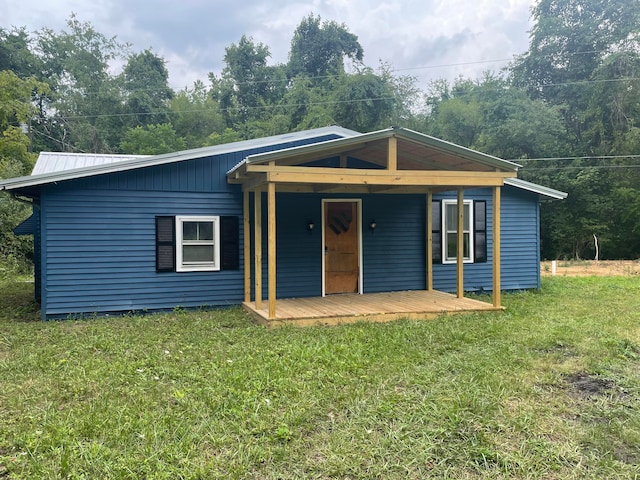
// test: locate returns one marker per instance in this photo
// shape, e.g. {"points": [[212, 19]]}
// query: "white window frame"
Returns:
{"points": [[199, 266], [445, 258]]}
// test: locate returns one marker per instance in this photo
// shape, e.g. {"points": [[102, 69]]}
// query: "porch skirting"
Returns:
{"points": [[371, 307]]}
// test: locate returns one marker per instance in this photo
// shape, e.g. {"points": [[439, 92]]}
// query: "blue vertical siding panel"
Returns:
{"points": [[37, 270], [43, 255], [298, 252], [394, 253]]}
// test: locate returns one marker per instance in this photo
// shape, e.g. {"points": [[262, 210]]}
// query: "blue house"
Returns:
{"points": [[324, 225]]}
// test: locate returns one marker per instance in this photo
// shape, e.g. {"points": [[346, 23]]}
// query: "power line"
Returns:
{"points": [[597, 157], [227, 109], [584, 167]]}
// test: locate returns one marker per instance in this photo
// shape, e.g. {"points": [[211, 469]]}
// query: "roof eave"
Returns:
{"points": [[550, 193]]}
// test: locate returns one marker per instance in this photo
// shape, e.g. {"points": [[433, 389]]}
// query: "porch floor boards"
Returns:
{"points": [[370, 307]]}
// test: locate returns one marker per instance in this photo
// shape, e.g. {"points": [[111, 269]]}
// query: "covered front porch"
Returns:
{"points": [[389, 162], [368, 307]]}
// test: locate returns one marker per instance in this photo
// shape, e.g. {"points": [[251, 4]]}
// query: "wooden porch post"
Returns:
{"points": [[496, 247], [257, 203], [272, 249], [392, 154], [429, 241], [247, 246], [460, 252]]}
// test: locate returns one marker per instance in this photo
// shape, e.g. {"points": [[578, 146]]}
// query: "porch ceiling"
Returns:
{"points": [[394, 161]]}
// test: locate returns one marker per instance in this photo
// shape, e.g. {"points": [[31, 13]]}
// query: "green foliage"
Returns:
{"points": [[363, 102], [547, 389], [319, 49], [152, 140], [195, 115], [146, 81], [248, 84]]}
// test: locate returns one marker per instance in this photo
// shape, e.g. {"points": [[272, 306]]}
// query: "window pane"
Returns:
{"points": [[465, 246], [205, 230], [197, 253], [452, 245], [189, 230], [467, 217], [451, 217]]}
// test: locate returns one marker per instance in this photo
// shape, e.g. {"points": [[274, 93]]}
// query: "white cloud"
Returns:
{"points": [[192, 34]]}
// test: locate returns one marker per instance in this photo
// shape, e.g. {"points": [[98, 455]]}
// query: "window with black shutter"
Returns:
{"points": [[165, 244], [197, 243], [229, 243], [480, 231], [436, 226]]}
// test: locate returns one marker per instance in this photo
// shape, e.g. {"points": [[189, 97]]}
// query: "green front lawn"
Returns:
{"points": [[548, 389]]}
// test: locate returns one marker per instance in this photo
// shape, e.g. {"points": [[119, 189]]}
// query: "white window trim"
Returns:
{"points": [[470, 259], [204, 266]]}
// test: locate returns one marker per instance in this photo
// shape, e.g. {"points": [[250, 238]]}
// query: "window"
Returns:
{"points": [[450, 231], [444, 217], [198, 243], [194, 243]]}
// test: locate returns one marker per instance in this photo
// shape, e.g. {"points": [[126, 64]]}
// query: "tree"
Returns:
{"points": [[363, 102], [195, 115], [16, 54], [319, 49], [152, 140], [15, 160], [247, 85], [84, 111], [146, 83]]}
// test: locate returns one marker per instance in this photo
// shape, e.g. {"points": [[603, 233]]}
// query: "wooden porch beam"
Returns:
{"points": [[392, 154], [257, 230], [346, 176], [496, 247], [271, 194], [460, 252], [429, 213], [247, 246]]}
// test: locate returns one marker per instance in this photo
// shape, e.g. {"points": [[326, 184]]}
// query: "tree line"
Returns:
{"points": [[567, 109]]}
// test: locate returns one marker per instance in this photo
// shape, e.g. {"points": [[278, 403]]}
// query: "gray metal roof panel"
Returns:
{"points": [[50, 162], [535, 188], [148, 161]]}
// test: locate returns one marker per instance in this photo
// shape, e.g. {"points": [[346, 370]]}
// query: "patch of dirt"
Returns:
{"points": [[587, 386], [602, 268]]}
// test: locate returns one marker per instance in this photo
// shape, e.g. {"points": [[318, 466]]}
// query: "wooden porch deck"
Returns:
{"points": [[370, 307]]}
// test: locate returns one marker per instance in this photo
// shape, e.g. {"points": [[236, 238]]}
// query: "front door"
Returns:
{"points": [[341, 247]]}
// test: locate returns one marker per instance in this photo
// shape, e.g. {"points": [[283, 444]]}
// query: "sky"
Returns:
{"points": [[427, 39]]}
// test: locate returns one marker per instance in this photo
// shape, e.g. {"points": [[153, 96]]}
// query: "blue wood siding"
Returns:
{"points": [[100, 253], [520, 241], [98, 237], [394, 255], [97, 241]]}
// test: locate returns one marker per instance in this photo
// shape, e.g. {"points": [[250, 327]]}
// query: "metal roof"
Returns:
{"points": [[120, 165], [535, 188], [58, 166], [50, 162]]}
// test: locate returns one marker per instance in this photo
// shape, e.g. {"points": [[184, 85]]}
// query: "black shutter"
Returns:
{"points": [[229, 243], [165, 244], [480, 231], [436, 230]]}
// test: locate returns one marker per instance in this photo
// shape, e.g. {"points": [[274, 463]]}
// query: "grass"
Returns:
{"points": [[548, 389]]}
